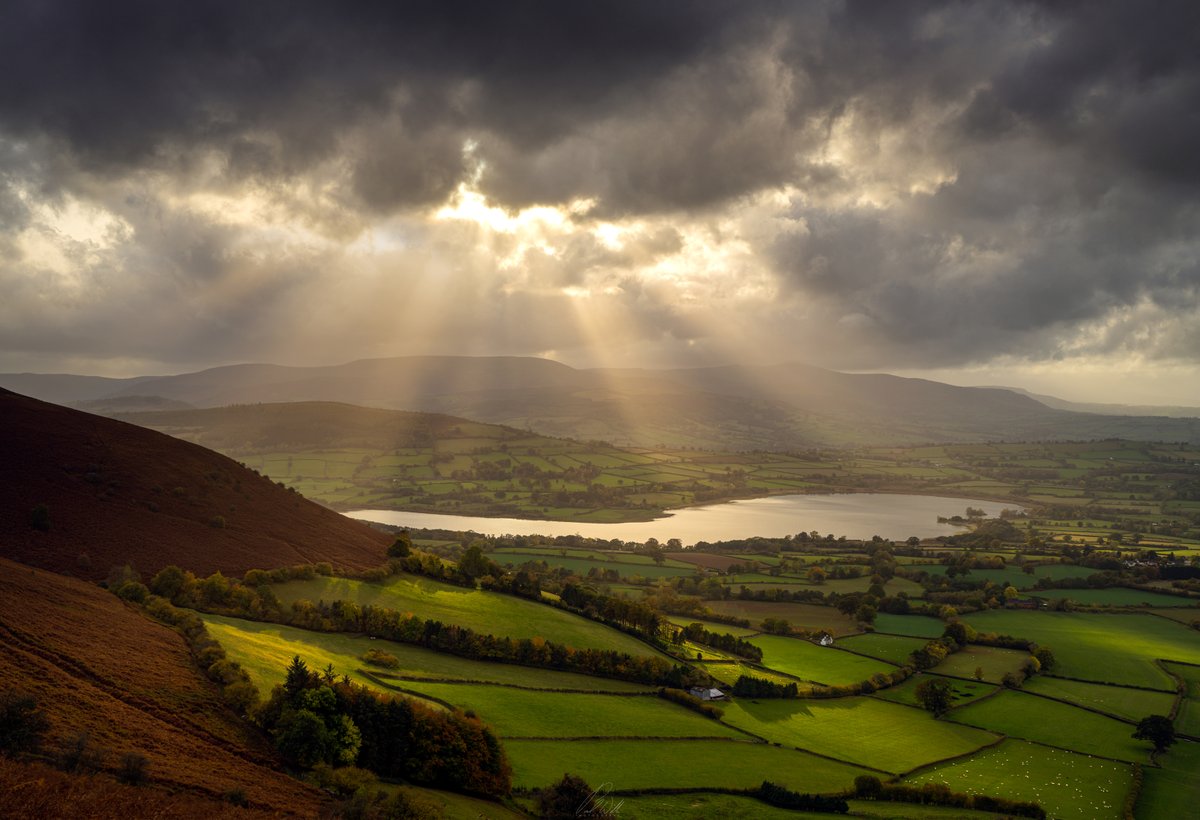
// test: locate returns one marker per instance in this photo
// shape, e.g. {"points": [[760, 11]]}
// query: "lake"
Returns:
{"points": [[854, 515]]}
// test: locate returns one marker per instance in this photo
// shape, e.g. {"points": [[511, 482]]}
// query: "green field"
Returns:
{"points": [[582, 566], [993, 662], [918, 626], [1117, 596], [1028, 717], [712, 626], [679, 764], [1173, 791], [865, 731], [264, 651], [728, 673], [485, 612], [800, 616], [964, 691], [1188, 720], [888, 647], [821, 664], [1068, 785], [700, 806], [521, 713], [1131, 704], [1117, 648], [1013, 575]]}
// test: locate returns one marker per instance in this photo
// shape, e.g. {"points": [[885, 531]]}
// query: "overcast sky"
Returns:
{"points": [[981, 192]]}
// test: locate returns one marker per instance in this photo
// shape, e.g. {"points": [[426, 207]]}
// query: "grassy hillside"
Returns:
{"points": [[478, 610], [98, 667]]}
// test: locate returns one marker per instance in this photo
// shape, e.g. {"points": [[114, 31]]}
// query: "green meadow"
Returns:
{"points": [[822, 664], [1070, 786], [1117, 596], [991, 661], [800, 616], [1025, 716], [520, 713], [1105, 648], [866, 731], [892, 648], [1173, 790], [485, 612], [1188, 720], [678, 764], [264, 650], [1120, 701], [964, 691], [918, 626], [700, 806]]}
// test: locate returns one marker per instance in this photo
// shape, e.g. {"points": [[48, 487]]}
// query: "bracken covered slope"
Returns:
{"points": [[97, 666], [119, 494]]}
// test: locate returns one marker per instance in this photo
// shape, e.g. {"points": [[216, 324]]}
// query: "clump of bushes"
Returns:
{"points": [[377, 657], [22, 724], [690, 701], [869, 787]]}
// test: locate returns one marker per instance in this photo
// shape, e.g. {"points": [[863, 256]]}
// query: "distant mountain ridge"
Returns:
{"points": [[769, 407], [1105, 409]]}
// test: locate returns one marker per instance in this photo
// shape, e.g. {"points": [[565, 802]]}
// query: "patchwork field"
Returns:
{"points": [[964, 691], [1068, 785], [1188, 720], [916, 625], [891, 648], [1121, 701], [1116, 648], [1028, 717], [866, 731], [991, 661], [821, 664], [684, 764], [1172, 791], [485, 612], [1117, 596], [265, 650], [801, 616], [728, 673], [518, 713], [712, 626]]}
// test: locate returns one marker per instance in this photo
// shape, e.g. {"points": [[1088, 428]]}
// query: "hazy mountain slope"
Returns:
{"points": [[1171, 411], [761, 407], [97, 666], [118, 493]]}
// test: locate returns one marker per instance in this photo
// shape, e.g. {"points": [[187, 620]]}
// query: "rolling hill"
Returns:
{"points": [[115, 493], [777, 407]]}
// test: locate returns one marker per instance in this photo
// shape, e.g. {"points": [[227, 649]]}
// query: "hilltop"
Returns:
{"points": [[115, 493]]}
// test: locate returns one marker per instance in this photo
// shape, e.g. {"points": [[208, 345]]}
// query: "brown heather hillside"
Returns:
{"points": [[97, 666], [121, 494]]}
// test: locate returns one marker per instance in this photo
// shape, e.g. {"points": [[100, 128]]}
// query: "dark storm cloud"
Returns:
{"points": [[968, 179]]}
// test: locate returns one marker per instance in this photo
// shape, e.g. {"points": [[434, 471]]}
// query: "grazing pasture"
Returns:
{"points": [[701, 806], [520, 713], [1106, 648], [993, 662], [728, 673], [800, 616], [1028, 717], [1172, 791], [919, 626], [821, 664], [264, 651], [1121, 701], [964, 691], [1068, 785], [861, 730], [712, 626], [679, 764], [1116, 596], [485, 612], [892, 648], [1188, 720]]}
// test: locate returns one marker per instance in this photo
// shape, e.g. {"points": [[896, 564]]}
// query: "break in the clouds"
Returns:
{"points": [[859, 185]]}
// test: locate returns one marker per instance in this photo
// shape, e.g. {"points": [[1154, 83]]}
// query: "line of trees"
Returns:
{"points": [[696, 633], [318, 718]]}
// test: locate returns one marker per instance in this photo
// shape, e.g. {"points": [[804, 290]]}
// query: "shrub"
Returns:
{"points": [[217, 522], [22, 724], [377, 657], [133, 769], [79, 754]]}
